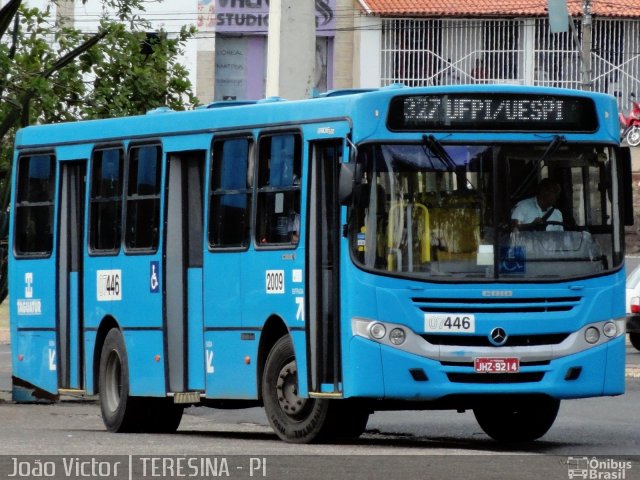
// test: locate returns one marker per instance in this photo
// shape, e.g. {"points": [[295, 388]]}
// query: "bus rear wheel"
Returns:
{"points": [[304, 420], [517, 419], [161, 415], [121, 412]]}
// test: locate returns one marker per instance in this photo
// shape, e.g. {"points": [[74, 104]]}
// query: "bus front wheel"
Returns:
{"points": [[293, 418], [517, 419], [304, 420]]}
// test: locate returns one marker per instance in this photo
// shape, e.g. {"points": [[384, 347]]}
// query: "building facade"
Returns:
{"points": [[373, 43], [452, 42], [232, 48], [227, 59]]}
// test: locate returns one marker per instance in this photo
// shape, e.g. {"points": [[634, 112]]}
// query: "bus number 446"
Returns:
{"points": [[109, 283], [449, 323]]}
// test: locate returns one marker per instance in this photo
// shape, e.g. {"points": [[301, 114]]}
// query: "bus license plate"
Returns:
{"points": [[496, 365]]}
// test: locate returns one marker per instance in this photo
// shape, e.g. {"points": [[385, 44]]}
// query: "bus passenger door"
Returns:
{"points": [[183, 271], [70, 274], [323, 268]]}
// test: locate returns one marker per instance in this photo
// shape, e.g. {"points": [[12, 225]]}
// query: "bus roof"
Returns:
{"points": [[347, 104]]}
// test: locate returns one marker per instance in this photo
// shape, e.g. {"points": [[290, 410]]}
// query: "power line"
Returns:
{"points": [[515, 9], [193, 18]]}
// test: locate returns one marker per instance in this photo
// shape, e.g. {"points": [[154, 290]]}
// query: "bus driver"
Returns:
{"points": [[539, 210]]}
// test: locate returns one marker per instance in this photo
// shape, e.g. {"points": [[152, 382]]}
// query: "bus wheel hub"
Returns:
{"points": [[287, 389]]}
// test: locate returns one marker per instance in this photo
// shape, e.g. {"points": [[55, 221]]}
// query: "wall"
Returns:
{"points": [[240, 30], [222, 21]]}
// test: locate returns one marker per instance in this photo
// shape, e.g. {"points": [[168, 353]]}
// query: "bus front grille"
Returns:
{"points": [[483, 340], [507, 305]]}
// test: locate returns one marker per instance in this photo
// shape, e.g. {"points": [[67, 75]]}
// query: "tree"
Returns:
{"points": [[54, 72]]}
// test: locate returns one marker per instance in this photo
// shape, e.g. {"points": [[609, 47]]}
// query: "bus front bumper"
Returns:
{"points": [[383, 371]]}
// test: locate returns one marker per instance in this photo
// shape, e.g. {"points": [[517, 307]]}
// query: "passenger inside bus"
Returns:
{"points": [[279, 172]]}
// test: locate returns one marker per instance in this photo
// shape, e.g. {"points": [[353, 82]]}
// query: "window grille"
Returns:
{"points": [[419, 52]]}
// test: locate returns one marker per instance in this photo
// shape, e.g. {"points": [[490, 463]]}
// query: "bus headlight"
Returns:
{"points": [[397, 336], [610, 330], [592, 335], [377, 331]]}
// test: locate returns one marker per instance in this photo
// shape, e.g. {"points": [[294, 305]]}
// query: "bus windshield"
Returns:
{"points": [[488, 212]]}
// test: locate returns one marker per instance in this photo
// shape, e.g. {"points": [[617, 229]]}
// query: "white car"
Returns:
{"points": [[633, 307]]}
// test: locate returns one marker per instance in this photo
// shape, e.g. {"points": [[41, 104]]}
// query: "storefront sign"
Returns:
{"points": [[252, 16]]}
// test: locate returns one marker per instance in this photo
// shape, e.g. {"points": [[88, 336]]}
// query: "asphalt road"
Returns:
{"points": [[607, 425], [397, 445]]}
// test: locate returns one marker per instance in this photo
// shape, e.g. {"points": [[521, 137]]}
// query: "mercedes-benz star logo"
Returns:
{"points": [[498, 337]]}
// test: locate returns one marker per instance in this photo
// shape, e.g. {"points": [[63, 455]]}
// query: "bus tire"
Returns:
{"points": [[352, 419], [517, 420], [162, 415], [120, 412], [634, 338], [294, 419]]}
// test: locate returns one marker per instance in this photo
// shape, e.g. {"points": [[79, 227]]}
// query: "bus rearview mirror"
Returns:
{"points": [[627, 187], [346, 181]]}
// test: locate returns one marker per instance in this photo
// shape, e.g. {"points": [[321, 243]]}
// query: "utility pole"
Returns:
{"points": [[587, 28], [558, 16], [291, 50]]}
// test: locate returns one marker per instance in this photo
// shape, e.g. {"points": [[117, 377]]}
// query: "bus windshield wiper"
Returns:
{"points": [[553, 146], [438, 150]]}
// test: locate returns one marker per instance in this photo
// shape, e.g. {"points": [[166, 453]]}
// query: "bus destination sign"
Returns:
{"points": [[492, 112]]}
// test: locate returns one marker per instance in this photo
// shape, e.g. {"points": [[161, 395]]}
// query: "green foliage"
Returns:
{"points": [[52, 72], [113, 78], [144, 70]]}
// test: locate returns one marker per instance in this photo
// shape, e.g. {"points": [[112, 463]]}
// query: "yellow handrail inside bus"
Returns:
{"points": [[403, 219], [425, 238]]}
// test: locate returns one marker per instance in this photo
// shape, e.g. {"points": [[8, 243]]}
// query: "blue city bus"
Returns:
{"points": [[325, 258]]}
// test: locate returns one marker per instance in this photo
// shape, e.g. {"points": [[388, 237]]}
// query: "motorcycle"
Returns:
{"points": [[631, 123]]}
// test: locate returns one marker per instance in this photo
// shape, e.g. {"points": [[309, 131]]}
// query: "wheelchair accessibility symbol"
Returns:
{"points": [[512, 260], [154, 283]]}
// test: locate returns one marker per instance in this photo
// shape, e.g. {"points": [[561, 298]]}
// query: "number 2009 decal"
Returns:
{"points": [[274, 281], [109, 285]]}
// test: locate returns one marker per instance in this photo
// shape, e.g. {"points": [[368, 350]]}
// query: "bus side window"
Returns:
{"points": [[34, 205], [106, 200], [230, 195], [143, 198], [279, 175]]}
